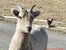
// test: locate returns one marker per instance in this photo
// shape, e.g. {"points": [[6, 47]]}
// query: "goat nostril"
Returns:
{"points": [[29, 29]]}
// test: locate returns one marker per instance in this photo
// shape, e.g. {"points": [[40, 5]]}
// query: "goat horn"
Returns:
{"points": [[33, 7], [20, 8]]}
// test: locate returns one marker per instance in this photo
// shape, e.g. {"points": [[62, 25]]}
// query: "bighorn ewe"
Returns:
{"points": [[24, 38]]}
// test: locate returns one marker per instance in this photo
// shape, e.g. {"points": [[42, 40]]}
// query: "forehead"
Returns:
{"points": [[28, 10], [26, 13]]}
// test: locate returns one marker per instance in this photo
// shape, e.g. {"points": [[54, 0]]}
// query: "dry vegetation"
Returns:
{"points": [[49, 8]]}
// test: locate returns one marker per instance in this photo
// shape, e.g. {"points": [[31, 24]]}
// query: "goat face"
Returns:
{"points": [[25, 17]]}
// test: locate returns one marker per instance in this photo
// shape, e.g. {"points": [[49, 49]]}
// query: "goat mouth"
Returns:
{"points": [[29, 29], [19, 17]]}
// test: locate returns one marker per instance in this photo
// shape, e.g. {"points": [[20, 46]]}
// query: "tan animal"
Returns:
{"points": [[26, 38]]}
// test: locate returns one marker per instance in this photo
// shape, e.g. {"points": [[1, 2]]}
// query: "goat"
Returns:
{"points": [[26, 38]]}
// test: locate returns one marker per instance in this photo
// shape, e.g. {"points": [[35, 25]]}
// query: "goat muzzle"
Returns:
{"points": [[29, 29]]}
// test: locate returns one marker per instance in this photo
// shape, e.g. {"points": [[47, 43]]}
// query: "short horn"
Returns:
{"points": [[20, 8], [33, 7]]}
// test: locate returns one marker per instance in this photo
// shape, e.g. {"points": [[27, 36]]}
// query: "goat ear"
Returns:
{"points": [[15, 12], [36, 13]]}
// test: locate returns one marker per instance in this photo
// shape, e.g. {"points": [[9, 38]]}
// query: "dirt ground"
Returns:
{"points": [[49, 8]]}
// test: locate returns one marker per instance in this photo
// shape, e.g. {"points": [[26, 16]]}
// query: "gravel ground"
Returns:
{"points": [[49, 8], [56, 40]]}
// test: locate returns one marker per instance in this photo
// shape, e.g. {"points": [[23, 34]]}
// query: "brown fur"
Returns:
{"points": [[25, 41]]}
